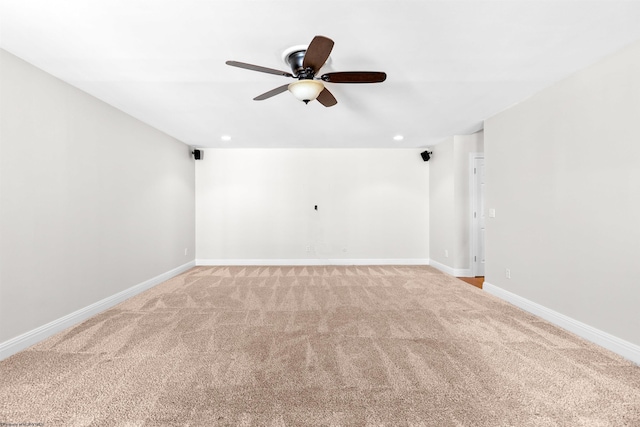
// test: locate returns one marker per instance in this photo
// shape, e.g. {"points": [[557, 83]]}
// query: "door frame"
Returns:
{"points": [[474, 229]]}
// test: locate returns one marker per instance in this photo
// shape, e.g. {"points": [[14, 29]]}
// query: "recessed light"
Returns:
{"points": [[225, 137], [398, 138]]}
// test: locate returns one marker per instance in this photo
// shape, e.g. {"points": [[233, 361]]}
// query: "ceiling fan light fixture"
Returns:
{"points": [[306, 90]]}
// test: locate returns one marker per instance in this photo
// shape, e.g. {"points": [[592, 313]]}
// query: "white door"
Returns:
{"points": [[478, 216]]}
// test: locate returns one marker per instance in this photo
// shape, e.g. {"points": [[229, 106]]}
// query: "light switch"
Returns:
{"points": [[492, 213]]}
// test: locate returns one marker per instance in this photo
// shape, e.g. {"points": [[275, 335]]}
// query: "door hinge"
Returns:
{"points": [[474, 171], [475, 259], [474, 214]]}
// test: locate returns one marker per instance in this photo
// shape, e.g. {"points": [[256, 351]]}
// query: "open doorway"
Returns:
{"points": [[477, 187]]}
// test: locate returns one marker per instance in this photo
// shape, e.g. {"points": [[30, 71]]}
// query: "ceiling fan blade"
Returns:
{"points": [[258, 68], [317, 53], [326, 98], [354, 77], [272, 92]]}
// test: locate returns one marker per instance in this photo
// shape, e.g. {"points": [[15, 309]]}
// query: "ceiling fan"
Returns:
{"points": [[305, 64]]}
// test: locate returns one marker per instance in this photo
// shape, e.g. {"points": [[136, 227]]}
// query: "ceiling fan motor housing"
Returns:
{"points": [[295, 61]]}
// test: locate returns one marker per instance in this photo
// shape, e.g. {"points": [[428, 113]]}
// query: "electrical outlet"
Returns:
{"points": [[185, 251], [308, 248], [446, 253], [507, 273]]}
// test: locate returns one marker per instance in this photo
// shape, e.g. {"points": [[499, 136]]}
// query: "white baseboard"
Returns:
{"points": [[457, 272], [314, 261], [617, 345], [34, 336]]}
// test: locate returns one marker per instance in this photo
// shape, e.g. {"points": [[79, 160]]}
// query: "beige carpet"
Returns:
{"points": [[352, 346]]}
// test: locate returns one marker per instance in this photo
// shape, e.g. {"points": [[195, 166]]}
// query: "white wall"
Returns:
{"points": [[450, 202], [442, 204], [563, 174], [257, 205], [92, 201]]}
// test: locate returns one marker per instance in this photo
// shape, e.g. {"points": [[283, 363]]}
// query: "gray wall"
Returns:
{"points": [[92, 201], [564, 179], [258, 206]]}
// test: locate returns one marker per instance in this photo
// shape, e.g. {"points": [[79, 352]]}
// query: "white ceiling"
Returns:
{"points": [[450, 64]]}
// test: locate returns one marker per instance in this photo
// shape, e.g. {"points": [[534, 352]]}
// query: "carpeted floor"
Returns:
{"points": [[297, 346]]}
